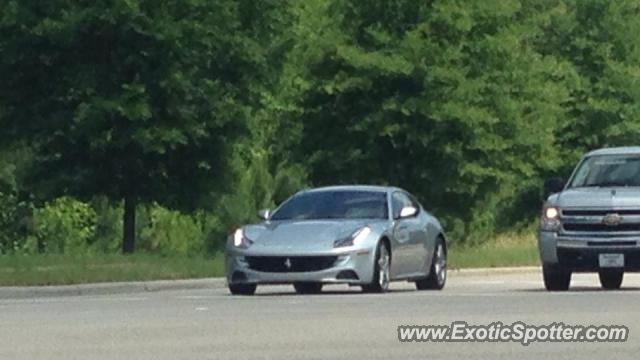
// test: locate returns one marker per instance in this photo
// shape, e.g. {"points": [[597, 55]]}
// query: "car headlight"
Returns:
{"points": [[550, 220], [239, 240], [354, 239]]}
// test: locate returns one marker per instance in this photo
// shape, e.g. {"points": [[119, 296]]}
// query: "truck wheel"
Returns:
{"points": [[611, 279], [242, 289], [556, 279]]}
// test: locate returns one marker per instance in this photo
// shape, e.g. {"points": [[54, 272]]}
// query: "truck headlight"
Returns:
{"points": [[552, 213], [550, 220]]}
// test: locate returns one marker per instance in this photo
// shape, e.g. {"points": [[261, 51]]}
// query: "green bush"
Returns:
{"points": [[63, 226], [172, 233], [15, 212], [108, 234], [15, 216]]}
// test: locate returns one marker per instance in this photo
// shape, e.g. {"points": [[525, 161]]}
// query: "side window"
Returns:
{"points": [[398, 201]]}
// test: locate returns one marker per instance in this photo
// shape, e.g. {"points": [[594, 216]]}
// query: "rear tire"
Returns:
{"points": [[308, 287], [438, 271], [556, 279], [611, 279], [242, 289], [380, 281]]}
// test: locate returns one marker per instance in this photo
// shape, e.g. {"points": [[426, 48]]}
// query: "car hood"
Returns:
{"points": [[610, 197], [307, 235]]}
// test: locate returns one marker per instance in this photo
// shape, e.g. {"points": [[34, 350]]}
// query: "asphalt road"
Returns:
{"points": [[340, 323]]}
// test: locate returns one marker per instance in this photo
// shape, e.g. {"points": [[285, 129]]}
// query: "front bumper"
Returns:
{"points": [[581, 253], [351, 266]]}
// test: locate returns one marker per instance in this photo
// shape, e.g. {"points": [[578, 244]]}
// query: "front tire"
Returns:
{"points": [[437, 272], [381, 266], [308, 287], [611, 279], [556, 279], [242, 289]]}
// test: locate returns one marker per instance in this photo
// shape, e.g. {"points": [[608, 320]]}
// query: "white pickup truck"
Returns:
{"points": [[591, 223]]}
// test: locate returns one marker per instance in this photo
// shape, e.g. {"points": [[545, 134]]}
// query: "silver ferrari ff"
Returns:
{"points": [[356, 235]]}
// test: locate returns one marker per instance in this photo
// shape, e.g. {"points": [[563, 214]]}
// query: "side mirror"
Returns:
{"points": [[264, 214], [553, 185], [408, 211]]}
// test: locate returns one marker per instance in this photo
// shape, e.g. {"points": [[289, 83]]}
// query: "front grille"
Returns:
{"points": [[280, 264], [611, 243], [594, 221], [601, 227], [600, 212]]}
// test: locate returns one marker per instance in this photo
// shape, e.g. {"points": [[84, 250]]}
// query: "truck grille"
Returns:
{"points": [[600, 212], [612, 243], [601, 227], [596, 221], [280, 264]]}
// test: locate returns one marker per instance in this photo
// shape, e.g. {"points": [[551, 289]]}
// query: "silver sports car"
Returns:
{"points": [[356, 235]]}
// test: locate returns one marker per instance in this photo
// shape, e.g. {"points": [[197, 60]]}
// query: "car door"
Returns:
{"points": [[424, 241], [407, 234]]}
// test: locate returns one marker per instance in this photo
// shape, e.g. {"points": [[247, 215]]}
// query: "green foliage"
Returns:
{"points": [[451, 102], [108, 233], [172, 233], [129, 99], [203, 112], [600, 41], [63, 226], [14, 222], [256, 188], [15, 210]]}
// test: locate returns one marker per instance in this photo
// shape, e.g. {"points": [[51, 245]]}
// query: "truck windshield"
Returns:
{"points": [[608, 170]]}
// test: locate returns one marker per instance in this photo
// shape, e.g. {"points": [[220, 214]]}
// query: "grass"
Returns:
{"points": [[514, 249], [28, 270], [21, 270]]}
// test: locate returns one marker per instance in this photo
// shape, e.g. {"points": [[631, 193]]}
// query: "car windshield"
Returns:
{"points": [[608, 170], [334, 205]]}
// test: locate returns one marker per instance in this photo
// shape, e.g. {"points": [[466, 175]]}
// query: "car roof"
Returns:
{"points": [[354, 188], [624, 150]]}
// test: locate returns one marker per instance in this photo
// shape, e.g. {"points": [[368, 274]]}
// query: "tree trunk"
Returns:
{"points": [[129, 225]]}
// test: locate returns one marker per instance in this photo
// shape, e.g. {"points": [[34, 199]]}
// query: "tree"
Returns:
{"points": [[599, 39], [445, 98], [137, 100]]}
